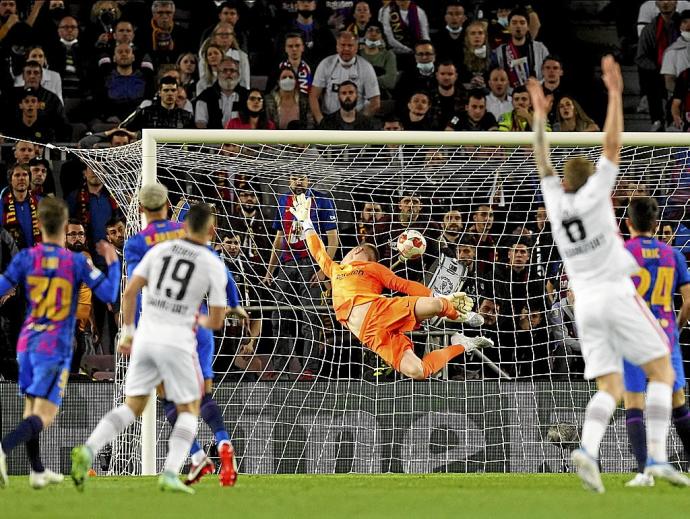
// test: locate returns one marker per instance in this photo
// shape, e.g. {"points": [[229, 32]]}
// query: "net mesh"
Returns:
{"points": [[481, 212]]}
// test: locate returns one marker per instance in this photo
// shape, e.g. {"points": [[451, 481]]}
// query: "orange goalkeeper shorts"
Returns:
{"points": [[384, 327]]}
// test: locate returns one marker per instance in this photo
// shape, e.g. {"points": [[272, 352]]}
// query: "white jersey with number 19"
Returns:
{"points": [[179, 273], [585, 231]]}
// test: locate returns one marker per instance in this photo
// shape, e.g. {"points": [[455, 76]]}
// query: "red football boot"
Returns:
{"points": [[196, 472], [228, 465]]}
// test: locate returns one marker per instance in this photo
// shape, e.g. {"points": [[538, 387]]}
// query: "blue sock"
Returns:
{"points": [[681, 421], [637, 436], [171, 414], [213, 417], [33, 451], [27, 429]]}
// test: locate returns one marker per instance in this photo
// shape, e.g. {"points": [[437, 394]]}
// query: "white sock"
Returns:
{"points": [[597, 417], [658, 414], [198, 457], [180, 441], [110, 426]]}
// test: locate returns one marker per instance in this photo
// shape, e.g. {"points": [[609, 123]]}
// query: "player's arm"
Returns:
{"points": [[128, 308], [106, 287], [273, 260], [302, 212], [398, 284], [613, 127], [541, 147], [684, 314]]}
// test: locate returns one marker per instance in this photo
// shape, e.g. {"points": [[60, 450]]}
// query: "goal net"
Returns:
{"points": [[298, 392]]}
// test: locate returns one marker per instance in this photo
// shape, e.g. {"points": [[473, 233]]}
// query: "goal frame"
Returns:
{"points": [[152, 137]]}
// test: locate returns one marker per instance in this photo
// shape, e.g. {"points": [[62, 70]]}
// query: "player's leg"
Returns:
{"points": [[635, 382], [211, 414], [680, 412], [428, 307], [40, 477]]}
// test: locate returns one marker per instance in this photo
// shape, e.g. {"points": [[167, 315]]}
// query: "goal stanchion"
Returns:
{"points": [[299, 393]]}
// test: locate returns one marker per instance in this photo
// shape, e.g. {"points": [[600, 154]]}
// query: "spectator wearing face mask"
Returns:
{"points": [[449, 41], [382, 59], [287, 103], [677, 56], [476, 56], [420, 78]]}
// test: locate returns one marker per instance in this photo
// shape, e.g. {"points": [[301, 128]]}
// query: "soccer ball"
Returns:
{"points": [[411, 245]]}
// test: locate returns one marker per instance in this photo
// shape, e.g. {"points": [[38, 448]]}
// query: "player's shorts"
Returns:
{"points": [[204, 349], [614, 323], [636, 380], [384, 327], [43, 377], [178, 369]]}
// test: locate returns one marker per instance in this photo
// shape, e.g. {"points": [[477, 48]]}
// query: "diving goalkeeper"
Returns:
{"points": [[380, 322]]}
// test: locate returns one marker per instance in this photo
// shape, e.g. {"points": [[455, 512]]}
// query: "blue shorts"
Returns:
{"points": [[43, 377], [636, 381], [204, 349]]}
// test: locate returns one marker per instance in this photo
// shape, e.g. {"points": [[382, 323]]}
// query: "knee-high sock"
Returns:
{"points": [[214, 419], [448, 310], [681, 420], [634, 423], [180, 440], [597, 417], [435, 360], [658, 412], [171, 414], [27, 429], [33, 451], [110, 426]]}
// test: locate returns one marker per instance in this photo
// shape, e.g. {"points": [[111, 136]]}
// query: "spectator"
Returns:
{"points": [[11, 23], [11, 312], [220, 102], [449, 238], [572, 118], [30, 123], [515, 281], [545, 256], [475, 117], [404, 24], [422, 77], [286, 102], [250, 225], [347, 118], [318, 40], [114, 137], [373, 226], [450, 97], [340, 67], [467, 255], [167, 38], [72, 60], [189, 74], [521, 57], [532, 343], [123, 33], [19, 210], [42, 182], [419, 115], [677, 56], [103, 17], [392, 123], [552, 72], [228, 12], [499, 29], [22, 153], [655, 38], [499, 101], [680, 102], [294, 59], [411, 215], [520, 118], [650, 9], [476, 61], [50, 80], [123, 87], [448, 41], [223, 36], [252, 115], [567, 356], [480, 235], [161, 114], [115, 233], [385, 64], [208, 66], [50, 107], [361, 21], [297, 283]]}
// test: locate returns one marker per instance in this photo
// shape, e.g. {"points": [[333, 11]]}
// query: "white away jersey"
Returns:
{"points": [[179, 273], [585, 231]]}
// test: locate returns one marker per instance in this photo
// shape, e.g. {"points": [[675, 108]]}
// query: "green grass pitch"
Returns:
{"points": [[554, 496]]}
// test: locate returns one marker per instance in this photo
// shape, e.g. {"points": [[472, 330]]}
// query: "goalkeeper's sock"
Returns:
{"points": [[27, 429], [434, 361], [658, 410], [33, 452], [180, 440], [597, 417], [634, 424], [210, 412], [110, 426], [681, 421], [448, 310]]}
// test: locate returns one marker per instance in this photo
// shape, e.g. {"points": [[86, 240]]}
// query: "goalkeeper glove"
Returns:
{"points": [[462, 303], [301, 210]]}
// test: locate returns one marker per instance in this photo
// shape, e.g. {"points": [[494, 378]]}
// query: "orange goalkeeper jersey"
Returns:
{"points": [[359, 282]]}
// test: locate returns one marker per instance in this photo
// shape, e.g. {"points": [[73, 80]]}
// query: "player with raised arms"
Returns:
{"points": [[663, 272], [613, 321], [380, 322], [51, 275], [153, 200], [178, 275]]}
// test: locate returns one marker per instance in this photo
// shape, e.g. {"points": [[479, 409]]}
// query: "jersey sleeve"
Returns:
{"points": [[106, 288], [133, 252], [14, 273], [218, 277], [389, 280], [318, 251], [682, 274], [326, 214]]}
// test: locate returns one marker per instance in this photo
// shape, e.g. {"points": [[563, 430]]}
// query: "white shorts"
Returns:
{"points": [[151, 364], [614, 323]]}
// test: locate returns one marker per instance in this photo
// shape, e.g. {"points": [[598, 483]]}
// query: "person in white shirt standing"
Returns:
{"points": [[613, 321], [178, 275]]}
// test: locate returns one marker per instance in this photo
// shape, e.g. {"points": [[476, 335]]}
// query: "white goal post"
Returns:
{"points": [[152, 138]]}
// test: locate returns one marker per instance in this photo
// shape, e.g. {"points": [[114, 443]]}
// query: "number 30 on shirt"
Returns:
{"points": [[51, 298]]}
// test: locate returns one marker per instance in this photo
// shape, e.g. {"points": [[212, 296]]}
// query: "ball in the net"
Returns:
{"points": [[411, 245]]}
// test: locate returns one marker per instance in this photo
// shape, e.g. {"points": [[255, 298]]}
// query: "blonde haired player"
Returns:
{"points": [[380, 322], [613, 321]]}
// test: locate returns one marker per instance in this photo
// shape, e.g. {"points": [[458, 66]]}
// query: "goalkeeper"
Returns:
{"points": [[380, 322]]}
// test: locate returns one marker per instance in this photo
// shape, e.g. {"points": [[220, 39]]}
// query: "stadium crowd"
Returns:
{"points": [[96, 74]]}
